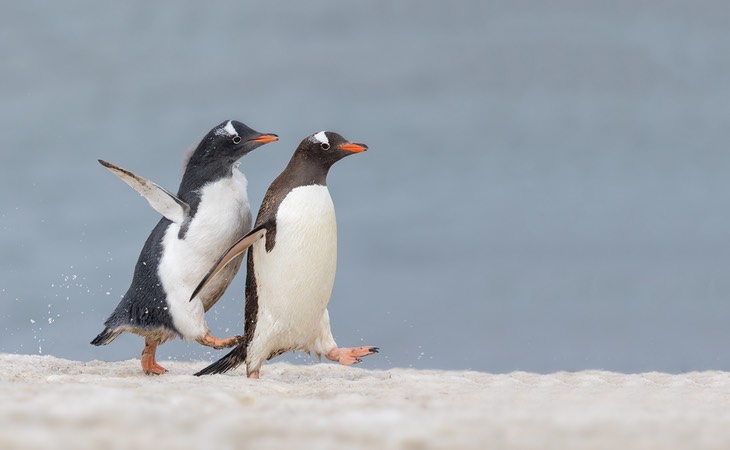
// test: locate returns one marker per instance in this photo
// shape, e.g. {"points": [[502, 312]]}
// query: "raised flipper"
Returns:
{"points": [[159, 198], [235, 250]]}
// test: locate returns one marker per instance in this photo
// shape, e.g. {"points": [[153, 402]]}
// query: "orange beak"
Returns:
{"points": [[266, 138], [354, 148]]}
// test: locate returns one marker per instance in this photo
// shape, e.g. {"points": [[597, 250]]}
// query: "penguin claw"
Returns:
{"points": [[154, 370]]}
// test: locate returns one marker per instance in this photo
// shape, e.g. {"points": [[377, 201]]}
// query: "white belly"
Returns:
{"points": [[223, 216], [295, 280]]}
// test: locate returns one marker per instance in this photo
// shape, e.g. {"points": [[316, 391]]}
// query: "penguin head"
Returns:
{"points": [[328, 147], [229, 142]]}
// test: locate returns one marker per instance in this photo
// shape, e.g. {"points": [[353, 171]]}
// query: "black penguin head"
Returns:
{"points": [[328, 147], [313, 159], [227, 143]]}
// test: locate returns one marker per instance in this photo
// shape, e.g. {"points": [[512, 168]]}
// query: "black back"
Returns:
{"points": [[145, 304]]}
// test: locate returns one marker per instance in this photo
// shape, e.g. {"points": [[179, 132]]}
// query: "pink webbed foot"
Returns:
{"points": [[347, 356], [149, 365], [218, 344]]}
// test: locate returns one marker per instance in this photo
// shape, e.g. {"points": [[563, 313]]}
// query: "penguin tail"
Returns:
{"points": [[106, 336], [233, 359]]}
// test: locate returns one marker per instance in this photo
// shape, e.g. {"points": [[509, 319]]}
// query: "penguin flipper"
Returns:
{"points": [[162, 200], [235, 250]]}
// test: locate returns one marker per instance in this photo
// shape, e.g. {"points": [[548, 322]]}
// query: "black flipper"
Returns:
{"points": [[233, 359]]}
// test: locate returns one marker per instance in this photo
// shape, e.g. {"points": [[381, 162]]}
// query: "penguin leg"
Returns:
{"points": [[212, 341], [347, 356], [149, 365], [325, 345]]}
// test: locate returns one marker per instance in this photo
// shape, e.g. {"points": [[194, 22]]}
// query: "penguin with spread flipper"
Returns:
{"points": [[209, 213]]}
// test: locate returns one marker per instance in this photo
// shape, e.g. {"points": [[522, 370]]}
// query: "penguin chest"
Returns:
{"points": [[223, 215], [295, 279]]}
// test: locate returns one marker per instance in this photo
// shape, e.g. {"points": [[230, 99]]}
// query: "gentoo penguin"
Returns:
{"points": [[209, 213], [291, 267]]}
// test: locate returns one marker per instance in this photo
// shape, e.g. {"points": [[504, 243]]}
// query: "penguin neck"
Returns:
{"points": [[196, 176], [305, 170]]}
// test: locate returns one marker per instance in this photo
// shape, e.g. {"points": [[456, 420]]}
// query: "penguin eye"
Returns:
{"points": [[324, 146], [236, 139]]}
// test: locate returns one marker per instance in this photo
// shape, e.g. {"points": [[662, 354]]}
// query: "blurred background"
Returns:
{"points": [[546, 187]]}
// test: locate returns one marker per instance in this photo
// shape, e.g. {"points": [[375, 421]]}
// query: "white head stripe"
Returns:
{"points": [[320, 137], [227, 129], [230, 129]]}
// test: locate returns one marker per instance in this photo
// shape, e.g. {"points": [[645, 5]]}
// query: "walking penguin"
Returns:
{"points": [[291, 264], [208, 214]]}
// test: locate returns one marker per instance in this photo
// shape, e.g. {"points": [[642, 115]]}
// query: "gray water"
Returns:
{"points": [[546, 187]]}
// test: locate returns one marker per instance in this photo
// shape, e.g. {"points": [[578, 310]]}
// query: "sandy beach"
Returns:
{"points": [[55, 403]]}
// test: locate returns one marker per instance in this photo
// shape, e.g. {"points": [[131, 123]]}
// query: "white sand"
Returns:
{"points": [[47, 402]]}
